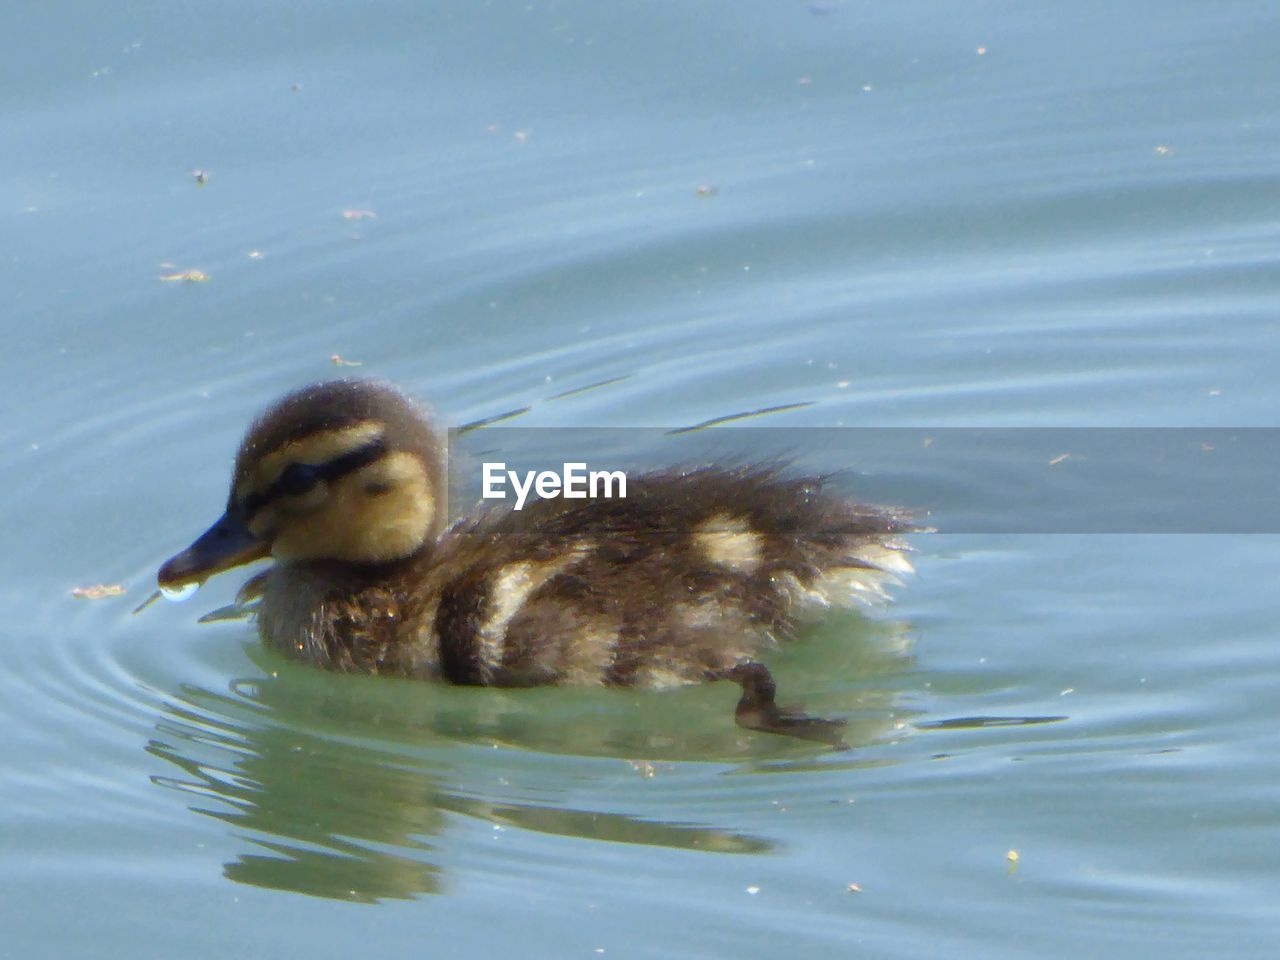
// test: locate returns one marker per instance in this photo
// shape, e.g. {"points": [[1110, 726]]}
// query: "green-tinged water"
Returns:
{"points": [[922, 215]]}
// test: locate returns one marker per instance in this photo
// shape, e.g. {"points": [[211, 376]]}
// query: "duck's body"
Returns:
{"points": [[688, 578]]}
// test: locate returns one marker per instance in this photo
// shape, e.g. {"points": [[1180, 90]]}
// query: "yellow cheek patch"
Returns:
{"points": [[317, 448], [381, 512], [395, 470]]}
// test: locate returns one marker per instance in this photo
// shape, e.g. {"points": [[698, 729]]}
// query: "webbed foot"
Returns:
{"points": [[757, 709]]}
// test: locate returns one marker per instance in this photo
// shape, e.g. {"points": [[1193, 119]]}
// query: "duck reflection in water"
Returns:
{"points": [[348, 787]]}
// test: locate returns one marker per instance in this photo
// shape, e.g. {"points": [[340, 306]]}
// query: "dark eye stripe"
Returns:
{"points": [[289, 484], [297, 479]]}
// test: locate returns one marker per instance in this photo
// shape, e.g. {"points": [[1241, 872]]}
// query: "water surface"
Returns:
{"points": [[906, 216]]}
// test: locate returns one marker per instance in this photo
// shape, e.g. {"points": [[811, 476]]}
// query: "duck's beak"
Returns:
{"points": [[228, 543]]}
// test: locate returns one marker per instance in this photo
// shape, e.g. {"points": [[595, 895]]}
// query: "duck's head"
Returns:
{"points": [[349, 471]]}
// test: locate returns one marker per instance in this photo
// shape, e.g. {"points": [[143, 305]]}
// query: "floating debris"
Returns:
{"points": [[99, 591], [1059, 459], [1162, 150], [978, 723], [256, 254], [359, 215], [156, 595], [487, 421], [186, 276], [201, 177], [1012, 857], [590, 386], [853, 888], [707, 190], [338, 361], [231, 612], [763, 411]]}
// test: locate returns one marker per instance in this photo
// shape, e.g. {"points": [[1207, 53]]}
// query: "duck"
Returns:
{"points": [[693, 576]]}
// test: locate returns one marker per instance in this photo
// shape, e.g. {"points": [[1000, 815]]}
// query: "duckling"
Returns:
{"points": [[688, 578]]}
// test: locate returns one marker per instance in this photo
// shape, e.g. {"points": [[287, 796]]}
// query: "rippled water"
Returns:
{"points": [[915, 216]]}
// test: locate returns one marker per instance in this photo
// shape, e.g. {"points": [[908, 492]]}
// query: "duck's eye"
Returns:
{"points": [[298, 478]]}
